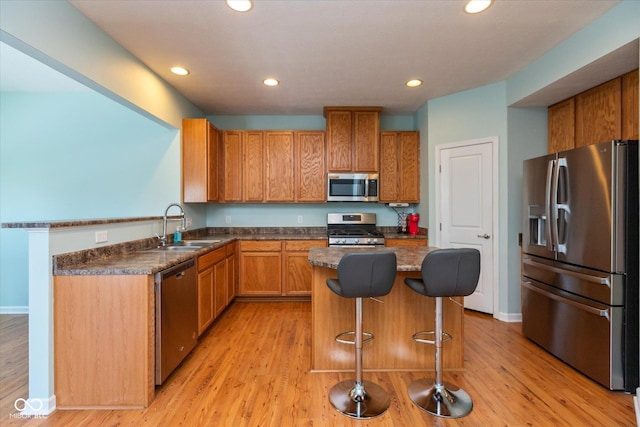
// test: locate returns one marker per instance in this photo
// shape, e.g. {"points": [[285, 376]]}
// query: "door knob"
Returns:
{"points": [[484, 236]]}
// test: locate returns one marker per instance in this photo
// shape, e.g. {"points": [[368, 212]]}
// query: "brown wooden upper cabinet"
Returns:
{"points": [[606, 112], [200, 161], [311, 183], [399, 167], [273, 166], [352, 138], [630, 105], [561, 126], [599, 114], [279, 166]]}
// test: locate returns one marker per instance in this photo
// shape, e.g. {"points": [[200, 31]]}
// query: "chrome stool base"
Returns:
{"points": [[362, 402], [443, 400]]}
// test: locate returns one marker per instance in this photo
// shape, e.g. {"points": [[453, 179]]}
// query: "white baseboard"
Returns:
{"points": [[509, 317], [636, 404], [8, 309]]}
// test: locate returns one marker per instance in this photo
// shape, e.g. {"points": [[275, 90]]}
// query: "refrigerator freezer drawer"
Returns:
{"points": [[584, 334], [606, 288]]}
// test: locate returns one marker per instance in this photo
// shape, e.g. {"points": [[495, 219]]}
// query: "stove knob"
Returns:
{"points": [[356, 241], [375, 241], [368, 241]]}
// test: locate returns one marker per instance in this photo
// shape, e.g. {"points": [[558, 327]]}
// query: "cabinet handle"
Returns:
{"points": [[484, 236]]}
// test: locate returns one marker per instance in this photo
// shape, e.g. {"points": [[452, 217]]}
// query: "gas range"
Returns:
{"points": [[353, 230]]}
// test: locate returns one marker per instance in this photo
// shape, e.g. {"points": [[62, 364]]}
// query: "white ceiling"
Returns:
{"points": [[350, 52]]}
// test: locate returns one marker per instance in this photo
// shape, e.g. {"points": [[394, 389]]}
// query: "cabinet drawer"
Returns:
{"points": [[260, 246], [211, 258], [303, 245]]}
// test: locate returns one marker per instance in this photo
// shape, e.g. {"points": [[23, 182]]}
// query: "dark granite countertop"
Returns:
{"points": [[136, 258], [408, 258]]}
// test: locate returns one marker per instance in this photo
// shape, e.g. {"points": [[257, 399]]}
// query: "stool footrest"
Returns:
{"points": [[368, 335], [417, 337]]}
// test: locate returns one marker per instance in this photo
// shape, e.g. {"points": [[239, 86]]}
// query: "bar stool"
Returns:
{"points": [[361, 275], [445, 273]]}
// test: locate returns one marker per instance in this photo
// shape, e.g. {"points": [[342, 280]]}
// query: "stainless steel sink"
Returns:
{"points": [[185, 246], [201, 243]]}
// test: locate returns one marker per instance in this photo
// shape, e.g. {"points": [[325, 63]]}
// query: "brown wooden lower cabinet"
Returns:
{"points": [[216, 284], [104, 341], [275, 267], [298, 271], [406, 242]]}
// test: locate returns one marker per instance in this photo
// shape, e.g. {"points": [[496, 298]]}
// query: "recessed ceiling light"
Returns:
{"points": [[179, 71], [477, 6], [271, 82], [414, 83], [240, 5]]}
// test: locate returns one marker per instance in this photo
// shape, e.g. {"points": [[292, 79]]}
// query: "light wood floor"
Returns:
{"points": [[252, 369]]}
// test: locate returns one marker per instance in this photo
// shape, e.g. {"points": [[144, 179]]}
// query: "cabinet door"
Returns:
{"points": [[409, 167], [561, 129], [231, 278], [253, 166], [598, 114], [298, 271], [388, 182], [205, 299], [365, 136], [219, 287], [213, 159], [630, 105], [199, 161], [311, 181], [279, 165], [339, 141], [260, 273], [233, 170]]}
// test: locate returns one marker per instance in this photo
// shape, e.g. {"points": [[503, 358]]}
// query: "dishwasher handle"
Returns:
{"points": [[178, 270]]}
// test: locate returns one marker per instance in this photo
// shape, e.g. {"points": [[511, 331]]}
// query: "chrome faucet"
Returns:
{"points": [[163, 238]]}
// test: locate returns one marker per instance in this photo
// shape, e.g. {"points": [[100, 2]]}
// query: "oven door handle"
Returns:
{"points": [[588, 309]]}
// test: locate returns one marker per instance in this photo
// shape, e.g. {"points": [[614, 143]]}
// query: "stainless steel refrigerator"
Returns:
{"points": [[580, 259]]}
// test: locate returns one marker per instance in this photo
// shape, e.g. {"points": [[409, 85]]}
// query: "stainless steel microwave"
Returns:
{"points": [[352, 187]]}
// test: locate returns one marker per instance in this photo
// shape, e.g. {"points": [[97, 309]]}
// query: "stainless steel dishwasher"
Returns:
{"points": [[176, 316]]}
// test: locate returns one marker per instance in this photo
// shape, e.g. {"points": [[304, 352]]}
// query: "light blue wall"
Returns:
{"points": [[82, 156], [76, 156]]}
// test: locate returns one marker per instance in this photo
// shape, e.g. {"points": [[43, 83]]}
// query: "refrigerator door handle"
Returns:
{"points": [[581, 276], [548, 207], [588, 309], [558, 206]]}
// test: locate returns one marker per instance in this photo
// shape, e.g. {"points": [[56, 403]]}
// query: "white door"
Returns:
{"points": [[467, 209]]}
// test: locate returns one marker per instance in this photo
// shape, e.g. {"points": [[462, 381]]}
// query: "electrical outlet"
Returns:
{"points": [[299, 219], [188, 222], [102, 236], [227, 220]]}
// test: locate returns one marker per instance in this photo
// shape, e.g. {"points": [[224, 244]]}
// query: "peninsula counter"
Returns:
{"points": [[393, 322]]}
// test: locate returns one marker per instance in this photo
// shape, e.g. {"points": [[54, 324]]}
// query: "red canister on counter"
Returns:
{"points": [[412, 222]]}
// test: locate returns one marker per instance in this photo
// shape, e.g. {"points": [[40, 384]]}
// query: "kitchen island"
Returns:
{"points": [[393, 322]]}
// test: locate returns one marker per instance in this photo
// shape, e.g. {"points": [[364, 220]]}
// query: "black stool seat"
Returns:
{"points": [[361, 275], [445, 273], [364, 275]]}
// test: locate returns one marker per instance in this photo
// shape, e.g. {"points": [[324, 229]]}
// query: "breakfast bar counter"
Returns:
{"points": [[393, 322]]}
